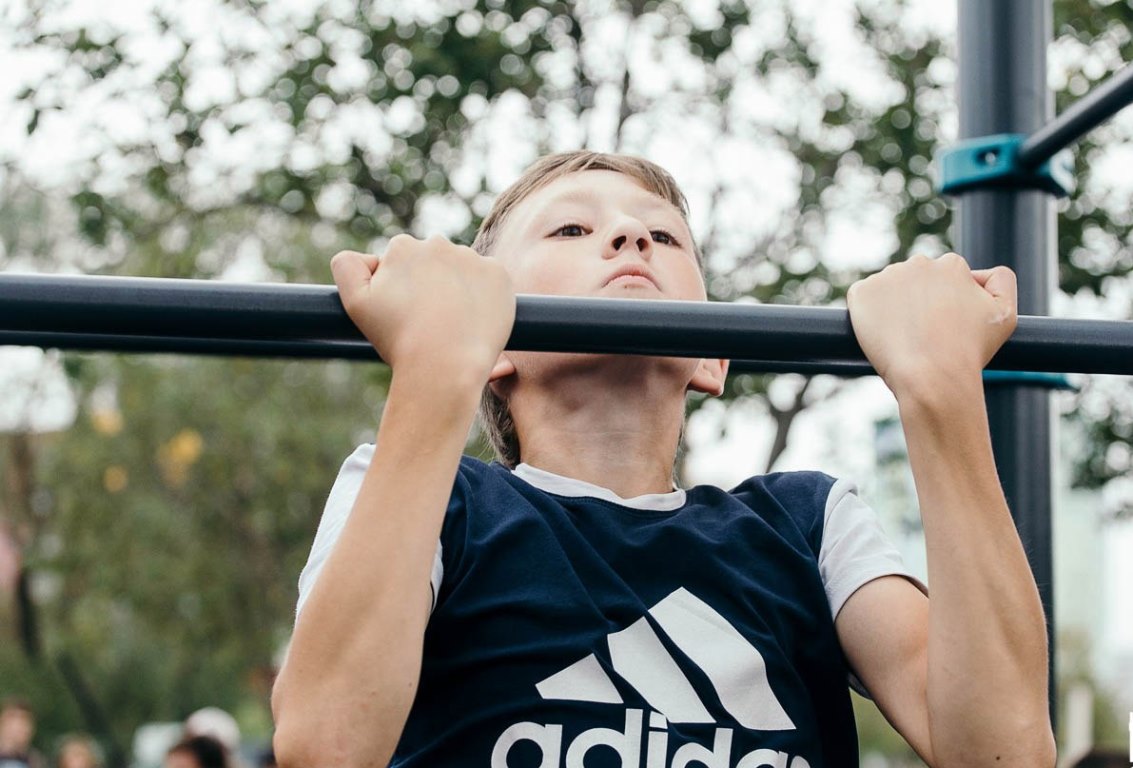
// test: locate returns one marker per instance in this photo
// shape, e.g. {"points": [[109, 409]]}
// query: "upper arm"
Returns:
{"points": [[340, 503], [883, 630]]}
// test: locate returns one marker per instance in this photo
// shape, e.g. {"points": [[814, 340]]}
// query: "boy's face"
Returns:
{"points": [[599, 233]]}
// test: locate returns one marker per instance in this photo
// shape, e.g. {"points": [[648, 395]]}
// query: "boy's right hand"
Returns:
{"points": [[429, 304]]}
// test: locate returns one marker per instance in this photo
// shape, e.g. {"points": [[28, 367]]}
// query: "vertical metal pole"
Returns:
{"points": [[1002, 89]]}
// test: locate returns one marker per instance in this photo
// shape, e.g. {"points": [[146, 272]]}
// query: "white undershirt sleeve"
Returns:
{"points": [[855, 551], [341, 500]]}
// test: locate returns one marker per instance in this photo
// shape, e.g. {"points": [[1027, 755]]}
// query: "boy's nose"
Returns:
{"points": [[631, 234]]}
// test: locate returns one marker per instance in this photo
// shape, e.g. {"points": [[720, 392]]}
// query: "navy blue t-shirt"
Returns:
{"points": [[578, 632]]}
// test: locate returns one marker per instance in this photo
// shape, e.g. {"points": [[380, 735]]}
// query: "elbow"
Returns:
{"points": [[311, 736], [295, 741], [1037, 738], [1046, 752], [303, 747], [294, 746], [1032, 747], [289, 750], [335, 722]]}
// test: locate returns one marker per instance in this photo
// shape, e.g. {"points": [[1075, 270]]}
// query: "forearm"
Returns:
{"points": [[355, 656], [987, 652]]}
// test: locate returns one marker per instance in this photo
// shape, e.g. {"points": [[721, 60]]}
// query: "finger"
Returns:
{"points": [[1000, 285], [352, 270], [981, 275], [998, 281], [371, 260]]}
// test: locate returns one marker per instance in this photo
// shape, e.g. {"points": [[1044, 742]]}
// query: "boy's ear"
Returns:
{"points": [[503, 368], [709, 377]]}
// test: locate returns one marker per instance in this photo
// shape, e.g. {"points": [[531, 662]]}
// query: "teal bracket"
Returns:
{"points": [[1046, 380], [993, 161]]}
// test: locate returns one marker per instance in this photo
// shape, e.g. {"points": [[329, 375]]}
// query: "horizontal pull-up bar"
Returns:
{"points": [[116, 314]]}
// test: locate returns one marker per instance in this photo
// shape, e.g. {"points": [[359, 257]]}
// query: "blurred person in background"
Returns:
{"points": [[197, 752], [78, 751], [17, 728], [217, 724], [1102, 758]]}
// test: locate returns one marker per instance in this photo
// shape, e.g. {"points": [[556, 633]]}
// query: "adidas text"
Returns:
{"points": [[636, 747]]}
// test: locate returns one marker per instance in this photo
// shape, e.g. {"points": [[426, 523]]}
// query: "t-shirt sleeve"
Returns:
{"points": [[339, 503], [855, 551]]}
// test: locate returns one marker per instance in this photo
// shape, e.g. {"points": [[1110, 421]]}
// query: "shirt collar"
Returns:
{"points": [[568, 486]]}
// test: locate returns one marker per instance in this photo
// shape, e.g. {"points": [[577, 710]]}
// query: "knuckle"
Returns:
{"points": [[400, 242]]}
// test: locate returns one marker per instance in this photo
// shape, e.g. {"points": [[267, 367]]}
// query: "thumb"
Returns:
{"points": [[1000, 283]]}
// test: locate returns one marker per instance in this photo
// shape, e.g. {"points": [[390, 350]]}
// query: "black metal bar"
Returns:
{"points": [[307, 321], [1002, 89], [1090, 111]]}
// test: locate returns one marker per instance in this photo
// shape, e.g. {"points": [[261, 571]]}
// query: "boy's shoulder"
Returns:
{"points": [[796, 488], [479, 484], [476, 471], [804, 498]]}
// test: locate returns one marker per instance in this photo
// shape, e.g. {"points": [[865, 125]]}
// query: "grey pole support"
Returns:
{"points": [[1002, 89]]}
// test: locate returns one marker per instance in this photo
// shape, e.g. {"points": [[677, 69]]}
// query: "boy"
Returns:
{"points": [[581, 611]]}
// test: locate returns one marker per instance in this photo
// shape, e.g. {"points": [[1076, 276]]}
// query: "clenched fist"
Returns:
{"points": [[429, 303], [931, 322]]}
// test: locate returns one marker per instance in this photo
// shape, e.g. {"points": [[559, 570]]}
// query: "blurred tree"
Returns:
{"points": [[250, 140], [1095, 231]]}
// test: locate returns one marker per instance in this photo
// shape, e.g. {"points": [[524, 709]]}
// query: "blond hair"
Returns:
{"points": [[495, 418]]}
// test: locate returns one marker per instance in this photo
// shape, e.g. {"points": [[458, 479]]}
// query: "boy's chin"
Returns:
{"points": [[635, 290], [558, 366]]}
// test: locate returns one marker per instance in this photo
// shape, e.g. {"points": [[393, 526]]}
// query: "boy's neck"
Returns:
{"points": [[615, 426]]}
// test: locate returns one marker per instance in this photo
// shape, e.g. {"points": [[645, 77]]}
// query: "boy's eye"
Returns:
{"points": [[663, 237], [569, 230]]}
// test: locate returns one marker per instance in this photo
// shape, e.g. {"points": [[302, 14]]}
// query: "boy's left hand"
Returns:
{"points": [[926, 322]]}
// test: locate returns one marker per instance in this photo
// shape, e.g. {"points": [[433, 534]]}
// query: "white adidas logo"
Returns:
{"points": [[732, 665]]}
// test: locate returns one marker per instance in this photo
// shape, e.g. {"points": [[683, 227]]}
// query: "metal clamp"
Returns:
{"points": [[993, 161]]}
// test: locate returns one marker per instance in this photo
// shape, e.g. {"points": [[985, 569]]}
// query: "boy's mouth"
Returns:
{"points": [[631, 275]]}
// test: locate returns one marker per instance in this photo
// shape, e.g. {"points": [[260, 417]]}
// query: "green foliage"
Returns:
{"points": [[1095, 231], [1075, 667], [180, 506], [877, 737]]}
